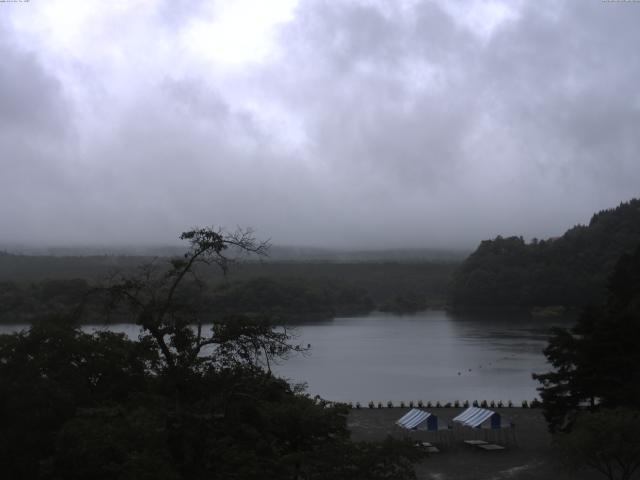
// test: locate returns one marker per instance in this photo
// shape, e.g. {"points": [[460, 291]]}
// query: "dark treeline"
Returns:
{"points": [[289, 291], [570, 270], [23, 302], [22, 268], [284, 300], [290, 299]]}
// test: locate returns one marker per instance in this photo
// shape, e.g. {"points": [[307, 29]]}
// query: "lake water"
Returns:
{"points": [[430, 356]]}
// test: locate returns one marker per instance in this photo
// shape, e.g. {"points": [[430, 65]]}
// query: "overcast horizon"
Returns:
{"points": [[340, 124]]}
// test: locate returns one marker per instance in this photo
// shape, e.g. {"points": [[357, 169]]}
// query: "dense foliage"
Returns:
{"points": [[281, 299], [591, 399], [289, 299], [607, 440], [597, 362], [75, 406], [285, 291], [570, 270], [182, 402], [22, 303]]}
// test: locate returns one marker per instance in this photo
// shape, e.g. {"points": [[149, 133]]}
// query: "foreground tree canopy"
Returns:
{"points": [[182, 402]]}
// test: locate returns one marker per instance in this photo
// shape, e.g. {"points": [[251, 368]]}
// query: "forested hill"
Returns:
{"points": [[570, 270]]}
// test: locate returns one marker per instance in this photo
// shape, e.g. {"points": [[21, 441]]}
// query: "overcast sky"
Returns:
{"points": [[346, 123]]}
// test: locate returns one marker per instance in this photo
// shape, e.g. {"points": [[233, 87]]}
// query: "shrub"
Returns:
{"points": [[456, 404], [420, 404], [371, 404], [438, 404], [379, 404], [525, 404], [606, 440], [466, 404], [475, 403], [429, 405], [492, 404]]}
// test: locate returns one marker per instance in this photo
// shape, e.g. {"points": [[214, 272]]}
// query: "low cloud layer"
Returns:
{"points": [[330, 123]]}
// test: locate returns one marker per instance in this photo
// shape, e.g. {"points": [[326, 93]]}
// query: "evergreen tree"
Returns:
{"points": [[597, 362]]}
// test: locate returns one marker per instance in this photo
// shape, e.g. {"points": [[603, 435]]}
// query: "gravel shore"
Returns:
{"points": [[530, 455]]}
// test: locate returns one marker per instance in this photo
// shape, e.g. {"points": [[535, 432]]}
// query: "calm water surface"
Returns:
{"points": [[429, 356]]}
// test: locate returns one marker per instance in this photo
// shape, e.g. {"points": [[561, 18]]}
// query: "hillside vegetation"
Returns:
{"points": [[570, 270], [31, 286]]}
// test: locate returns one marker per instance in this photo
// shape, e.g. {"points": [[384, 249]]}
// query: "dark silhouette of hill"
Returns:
{"points": [[570, 270]]}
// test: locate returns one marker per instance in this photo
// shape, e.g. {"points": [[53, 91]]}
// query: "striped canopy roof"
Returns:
{"points": [[414, 418], [473, 416]]}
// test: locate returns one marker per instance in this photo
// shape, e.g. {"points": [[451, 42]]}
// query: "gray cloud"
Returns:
{"points": [[32, 100], [365, 126]]}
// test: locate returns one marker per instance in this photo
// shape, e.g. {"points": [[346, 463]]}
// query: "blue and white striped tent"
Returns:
{"points": [[475, 417], [418, 419]]}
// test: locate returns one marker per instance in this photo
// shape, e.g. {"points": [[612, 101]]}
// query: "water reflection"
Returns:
{"points": [[429, 356]]}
